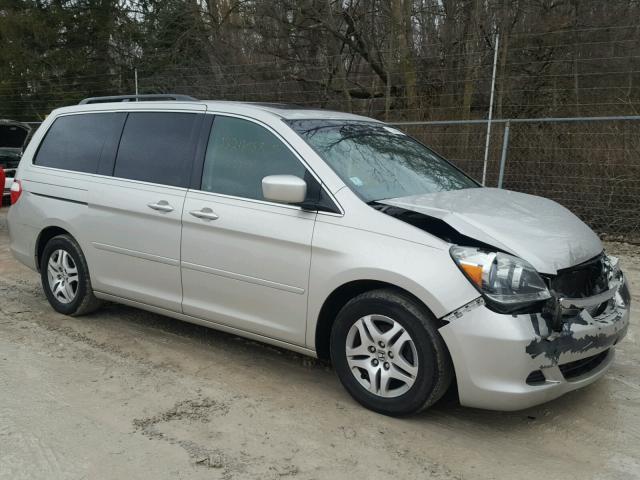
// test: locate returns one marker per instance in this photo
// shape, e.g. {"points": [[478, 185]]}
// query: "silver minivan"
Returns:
{"points": [[327, 233]]}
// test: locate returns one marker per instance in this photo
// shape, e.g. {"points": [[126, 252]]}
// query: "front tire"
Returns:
{"points": [[388, 353], [65, 277]]}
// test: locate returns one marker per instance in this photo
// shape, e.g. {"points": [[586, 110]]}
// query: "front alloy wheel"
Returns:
{"points": [[382, 355], [388, 353]]}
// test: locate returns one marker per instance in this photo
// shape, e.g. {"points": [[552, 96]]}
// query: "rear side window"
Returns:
{"points": [[80, 142], [158, 147], [240, 154]]}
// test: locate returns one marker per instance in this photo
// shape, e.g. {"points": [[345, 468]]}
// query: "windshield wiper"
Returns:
{"points": [[376, 204]]}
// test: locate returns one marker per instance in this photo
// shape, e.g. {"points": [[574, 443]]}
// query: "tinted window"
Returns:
{"points": [[240, 154], [80, 142], [157, 147]]}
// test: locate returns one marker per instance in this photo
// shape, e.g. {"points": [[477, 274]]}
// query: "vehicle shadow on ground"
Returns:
{"points": [[238, 349]]}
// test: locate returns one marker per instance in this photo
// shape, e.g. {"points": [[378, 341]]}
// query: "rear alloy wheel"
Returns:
{"points": [[65, 277], [62, 276], [388, 353]]}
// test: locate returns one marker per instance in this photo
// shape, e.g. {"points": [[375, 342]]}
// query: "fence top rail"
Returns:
{"points": [[612, 118]]}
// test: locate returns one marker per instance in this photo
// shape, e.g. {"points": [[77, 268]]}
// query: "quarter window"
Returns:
{"points": [[158, 147], [80, 142], [240, 154]]}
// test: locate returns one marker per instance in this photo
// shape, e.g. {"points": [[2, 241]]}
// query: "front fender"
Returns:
{"points": [[342, 255]]}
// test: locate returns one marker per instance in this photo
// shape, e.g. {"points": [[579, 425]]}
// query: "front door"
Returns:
{"points": [[245, 261]]}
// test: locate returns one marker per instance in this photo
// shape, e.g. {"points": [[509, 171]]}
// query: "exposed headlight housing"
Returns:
{"points": [[507, 283]]}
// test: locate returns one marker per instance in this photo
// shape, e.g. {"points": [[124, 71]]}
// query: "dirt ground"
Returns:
{"points": [[127, 394]]}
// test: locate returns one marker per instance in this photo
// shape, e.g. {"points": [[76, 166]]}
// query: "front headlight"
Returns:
{"points": [[507, 282]]}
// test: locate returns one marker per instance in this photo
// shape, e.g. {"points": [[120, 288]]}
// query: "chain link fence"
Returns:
{"points": [[591, 165]]}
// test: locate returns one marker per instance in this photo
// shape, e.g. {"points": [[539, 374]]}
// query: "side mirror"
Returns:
{"points": [[284, 188]]}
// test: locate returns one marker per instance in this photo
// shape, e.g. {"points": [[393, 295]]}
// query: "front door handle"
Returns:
{"points": [[161, 206], [205, 214]]}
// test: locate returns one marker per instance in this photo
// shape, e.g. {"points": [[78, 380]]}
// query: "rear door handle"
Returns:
{"points": [[161, 206], [205, 214]]}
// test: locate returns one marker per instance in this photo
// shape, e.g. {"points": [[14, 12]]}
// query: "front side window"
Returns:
{"points": [[240, 154], [158, 147], [379, 162], [79, 142]]}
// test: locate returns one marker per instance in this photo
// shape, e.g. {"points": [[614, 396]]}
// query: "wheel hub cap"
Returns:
{"points": [[62, 274], [382, 356]]}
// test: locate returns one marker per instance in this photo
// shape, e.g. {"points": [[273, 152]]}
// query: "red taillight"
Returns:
{"points": [[16, 191]]}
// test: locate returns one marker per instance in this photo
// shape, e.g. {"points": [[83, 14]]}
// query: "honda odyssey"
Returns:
{"points": [[331, 234]]}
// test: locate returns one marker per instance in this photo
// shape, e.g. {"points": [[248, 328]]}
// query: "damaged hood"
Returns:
{"points": [[537, 229]]}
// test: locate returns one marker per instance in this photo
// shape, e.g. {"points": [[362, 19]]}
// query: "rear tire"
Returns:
{"points": [[65, 277], [388, 353]]}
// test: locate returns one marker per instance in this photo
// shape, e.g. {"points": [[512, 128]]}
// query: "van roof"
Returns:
{"points": [[288, 111], [281, 110]]}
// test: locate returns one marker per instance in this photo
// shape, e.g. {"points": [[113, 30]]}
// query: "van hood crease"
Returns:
{"points": [[536, 229]]}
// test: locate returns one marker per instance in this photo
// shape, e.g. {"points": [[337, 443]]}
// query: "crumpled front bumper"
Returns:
{"points": [[495, 354]]}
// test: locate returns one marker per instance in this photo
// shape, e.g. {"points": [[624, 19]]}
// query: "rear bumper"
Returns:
{"points": [[22, 238], [495, 354]]}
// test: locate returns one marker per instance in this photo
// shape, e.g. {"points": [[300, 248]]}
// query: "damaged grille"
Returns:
{"points": [[585, 280], [579, 282]]}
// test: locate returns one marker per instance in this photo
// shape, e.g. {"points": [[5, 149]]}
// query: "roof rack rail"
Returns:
{"points": [[139, 98]]}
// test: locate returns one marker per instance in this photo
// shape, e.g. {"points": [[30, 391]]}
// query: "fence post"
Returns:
{"points": [[493, 88], [503, 157]]}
